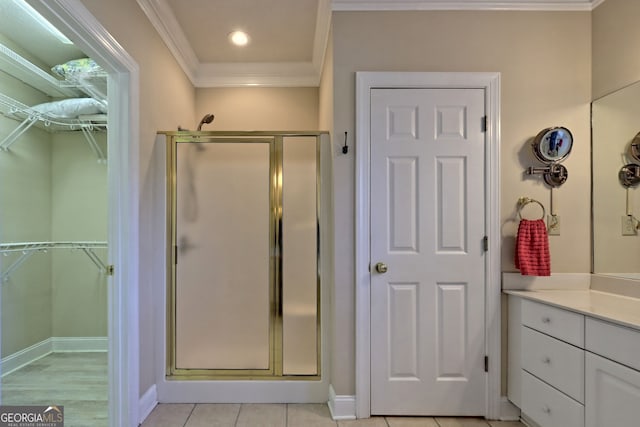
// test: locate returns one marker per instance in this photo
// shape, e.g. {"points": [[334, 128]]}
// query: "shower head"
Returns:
{"points": [[208, 118]]}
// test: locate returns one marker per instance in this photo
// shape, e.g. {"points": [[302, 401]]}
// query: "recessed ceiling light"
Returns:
{"points": [[239, 38]]}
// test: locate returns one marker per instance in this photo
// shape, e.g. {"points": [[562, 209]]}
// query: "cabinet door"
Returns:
{"points": [[612, 394]]}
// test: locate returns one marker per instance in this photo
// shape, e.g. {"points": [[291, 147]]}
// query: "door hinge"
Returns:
{"points": [[484, 124], [486, 363], [175, 254], [485, 243], [110, 270]]}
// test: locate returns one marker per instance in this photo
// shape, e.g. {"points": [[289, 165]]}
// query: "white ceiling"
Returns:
{"points": [[281, 30], [288, 37]]}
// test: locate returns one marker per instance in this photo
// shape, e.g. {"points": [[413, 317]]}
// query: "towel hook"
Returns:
{"points": [[523, 201], [345, 147]]}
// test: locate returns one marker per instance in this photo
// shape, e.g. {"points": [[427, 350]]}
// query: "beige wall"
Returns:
{"points": [[544, 59], [25, 209], [258, 108], [166, 101], [79, 213], [616, 42]]}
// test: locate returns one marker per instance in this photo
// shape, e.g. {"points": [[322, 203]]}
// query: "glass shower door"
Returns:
{"points": [[244, 296], [299, 256], [224, 289]]}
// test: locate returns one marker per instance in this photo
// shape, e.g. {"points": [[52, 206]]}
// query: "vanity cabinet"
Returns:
{"points": [[568, 369]]}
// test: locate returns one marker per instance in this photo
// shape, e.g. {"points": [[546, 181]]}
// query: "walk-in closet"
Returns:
{"points": [[53, 220]]}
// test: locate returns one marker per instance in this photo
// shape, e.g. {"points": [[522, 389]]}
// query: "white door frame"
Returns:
{"points": [[365, 82], [75, 20]]}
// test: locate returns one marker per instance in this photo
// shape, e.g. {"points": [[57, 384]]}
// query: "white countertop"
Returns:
{"points": [[611, 307]]}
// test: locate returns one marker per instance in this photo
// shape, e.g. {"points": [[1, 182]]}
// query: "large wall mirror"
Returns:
{"points": [[615, 123]]}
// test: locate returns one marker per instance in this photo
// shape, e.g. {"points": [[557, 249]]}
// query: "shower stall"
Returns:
{"points": [[244, 260]]}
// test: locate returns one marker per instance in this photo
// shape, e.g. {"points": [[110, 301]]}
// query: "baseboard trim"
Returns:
{"points": [[51, 345], [508, 411], [527, 422], [342, 407], [79, 344], [147, 402], [25, 356]]}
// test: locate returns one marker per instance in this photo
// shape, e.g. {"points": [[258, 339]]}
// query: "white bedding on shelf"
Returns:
{"points": [[84, 74], [71, 108]]}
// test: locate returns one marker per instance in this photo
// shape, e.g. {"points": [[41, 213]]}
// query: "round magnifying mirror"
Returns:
{"points": [[552, 145]]}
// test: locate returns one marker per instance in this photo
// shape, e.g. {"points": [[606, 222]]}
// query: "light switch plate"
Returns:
{"points": [[628, 226], [553, 225]]}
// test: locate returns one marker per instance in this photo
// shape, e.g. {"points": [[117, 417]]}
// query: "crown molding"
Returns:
{"points": [[299, 74], [275, 74], [239, 74], [530, 5], [164, 21]]}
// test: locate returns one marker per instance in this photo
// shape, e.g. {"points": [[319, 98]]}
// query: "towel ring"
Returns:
{"points": [[523, 201]]}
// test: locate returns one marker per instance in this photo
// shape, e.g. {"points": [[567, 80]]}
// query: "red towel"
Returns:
{"points": [[532, 248]]}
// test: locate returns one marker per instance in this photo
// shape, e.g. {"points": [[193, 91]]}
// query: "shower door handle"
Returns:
{"points": [[381, 267]]}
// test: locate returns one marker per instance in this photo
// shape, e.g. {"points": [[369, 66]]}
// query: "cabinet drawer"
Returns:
{"points": [[547, 406], [613, 342], [555, 362], [565, 325]]}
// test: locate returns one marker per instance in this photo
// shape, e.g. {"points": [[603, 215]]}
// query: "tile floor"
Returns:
{"points": [[79, 382], [289, 415]]}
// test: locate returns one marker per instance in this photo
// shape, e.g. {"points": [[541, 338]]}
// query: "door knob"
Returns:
{"points": [[381, 267]]}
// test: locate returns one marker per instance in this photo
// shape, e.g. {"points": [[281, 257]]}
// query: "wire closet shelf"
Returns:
{"points": [[28, 117], [27, 249]]}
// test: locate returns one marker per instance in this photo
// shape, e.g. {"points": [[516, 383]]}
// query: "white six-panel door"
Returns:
{"points": [[427, 229]]}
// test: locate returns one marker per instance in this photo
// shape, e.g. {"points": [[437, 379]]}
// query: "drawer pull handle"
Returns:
{"points": [[546, 360], [546, 320], [546, 410]]}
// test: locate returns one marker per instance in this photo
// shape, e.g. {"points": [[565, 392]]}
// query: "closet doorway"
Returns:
{"points": [[113, 187], [53, 220]]}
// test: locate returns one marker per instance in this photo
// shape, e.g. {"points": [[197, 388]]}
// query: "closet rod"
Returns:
{"points": [[27, 249]]}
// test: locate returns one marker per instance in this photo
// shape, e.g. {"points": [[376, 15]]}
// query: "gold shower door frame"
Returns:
{"points": [[276, 143]]}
